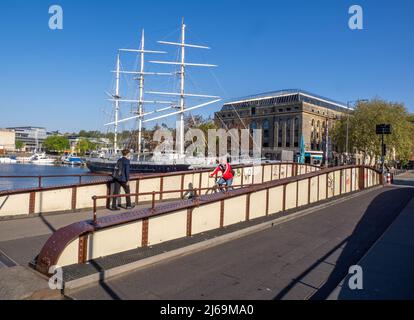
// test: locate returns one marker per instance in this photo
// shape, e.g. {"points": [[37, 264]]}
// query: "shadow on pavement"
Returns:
{"points": [[403, 182], [381, 212], [102, 283]]}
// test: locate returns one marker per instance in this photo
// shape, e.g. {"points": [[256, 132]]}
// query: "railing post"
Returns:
{"points": [[94, 210], [40, 181], [80, 179], [153, 201]]}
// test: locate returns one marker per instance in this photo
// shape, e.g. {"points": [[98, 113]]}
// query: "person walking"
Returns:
{"points": [[121, 179]]}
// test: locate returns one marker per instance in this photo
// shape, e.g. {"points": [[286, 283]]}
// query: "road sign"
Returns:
{"points": [[383, 129]]}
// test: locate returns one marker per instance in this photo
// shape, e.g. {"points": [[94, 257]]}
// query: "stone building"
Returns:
{"points": [[7, 141], [284, 117]]}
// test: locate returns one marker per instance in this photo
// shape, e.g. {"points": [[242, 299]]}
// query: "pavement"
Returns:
{"points": [[388, 267], [304, 258]]}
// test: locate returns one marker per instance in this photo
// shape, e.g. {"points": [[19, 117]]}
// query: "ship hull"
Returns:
{"points": [[108, 167]]}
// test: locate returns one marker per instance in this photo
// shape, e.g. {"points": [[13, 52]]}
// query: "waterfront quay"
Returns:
{"points": [[287, 231]]}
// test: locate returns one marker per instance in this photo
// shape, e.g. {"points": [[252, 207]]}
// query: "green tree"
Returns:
{"points": [[362, 135], [56, 144], [19, 145], [82, 146]]}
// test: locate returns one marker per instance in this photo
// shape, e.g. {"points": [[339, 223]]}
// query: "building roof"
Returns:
{"points": [[27, 128], [303, 95]]}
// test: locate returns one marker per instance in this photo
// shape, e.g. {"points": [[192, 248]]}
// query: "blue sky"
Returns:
{"points": [[58, 79]]}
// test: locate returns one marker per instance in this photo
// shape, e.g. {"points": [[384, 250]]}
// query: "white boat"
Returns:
{"points": [[24, 159], [41, 159], [7, 160]]}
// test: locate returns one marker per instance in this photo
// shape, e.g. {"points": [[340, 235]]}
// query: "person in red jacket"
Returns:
{"points": [[227, 174]]}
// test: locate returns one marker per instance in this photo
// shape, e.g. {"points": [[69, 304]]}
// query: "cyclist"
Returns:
{"points": [[227, 174]]}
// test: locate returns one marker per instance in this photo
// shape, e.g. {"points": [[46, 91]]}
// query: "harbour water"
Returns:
{"points": [[36, 170]]}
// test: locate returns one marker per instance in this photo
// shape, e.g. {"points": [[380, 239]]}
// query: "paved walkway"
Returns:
{"points": [[388, 267], [301, 259]]}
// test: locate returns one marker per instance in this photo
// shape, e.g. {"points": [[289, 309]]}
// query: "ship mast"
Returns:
{"points": [[141, 73], [182, 94], [182, 107], [117, 97]]}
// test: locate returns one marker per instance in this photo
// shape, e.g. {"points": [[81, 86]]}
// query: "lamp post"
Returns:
{"points": [[347, 125]]}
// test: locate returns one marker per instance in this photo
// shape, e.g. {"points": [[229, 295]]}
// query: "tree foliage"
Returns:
{"points": [[56, 144], [19, 145], [85, 145], [362, 134]]}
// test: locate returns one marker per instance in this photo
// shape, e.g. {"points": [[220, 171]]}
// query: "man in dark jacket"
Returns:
{"points": [[121, 179]]}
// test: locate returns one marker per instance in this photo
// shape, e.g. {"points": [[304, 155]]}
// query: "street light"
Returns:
{"points": [[347, 123]]}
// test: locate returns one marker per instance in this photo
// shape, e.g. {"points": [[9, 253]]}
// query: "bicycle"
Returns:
{"points": [[217, 188]]}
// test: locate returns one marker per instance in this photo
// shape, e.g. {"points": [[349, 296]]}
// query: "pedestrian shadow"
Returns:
{"points": [[380, 213], [47, 223], [102, 283]]}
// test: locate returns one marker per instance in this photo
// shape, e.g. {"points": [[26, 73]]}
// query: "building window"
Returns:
{"points": [[296, 132], [266, 131], [253, 110], [253, 126]]}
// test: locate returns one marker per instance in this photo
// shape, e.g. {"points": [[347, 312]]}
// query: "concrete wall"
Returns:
{"points": [[221, 212]]}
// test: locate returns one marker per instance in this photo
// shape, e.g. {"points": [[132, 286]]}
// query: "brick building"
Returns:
{"points": [[284, 117]]}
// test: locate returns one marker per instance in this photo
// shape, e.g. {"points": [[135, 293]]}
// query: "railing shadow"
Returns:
{"points": [[380, 213]]}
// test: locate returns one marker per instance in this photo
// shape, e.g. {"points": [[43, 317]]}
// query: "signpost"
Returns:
{"points": [[383, 129]]}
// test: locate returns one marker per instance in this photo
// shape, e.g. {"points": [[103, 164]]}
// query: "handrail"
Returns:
{"points": [[197, 193], [41, 178]]}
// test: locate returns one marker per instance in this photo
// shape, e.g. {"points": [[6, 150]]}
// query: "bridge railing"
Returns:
{"points": [[77, 196], [58, 180], [87, 240]]}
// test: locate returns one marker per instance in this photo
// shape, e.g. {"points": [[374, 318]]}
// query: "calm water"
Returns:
{"points": [[35, 170]]}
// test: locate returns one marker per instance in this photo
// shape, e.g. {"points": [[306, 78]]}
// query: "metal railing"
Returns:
{"points": [[39, 180], [195, 191]]}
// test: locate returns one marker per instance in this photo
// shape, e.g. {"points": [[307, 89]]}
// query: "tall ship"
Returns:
{"points": [[155, 162]]}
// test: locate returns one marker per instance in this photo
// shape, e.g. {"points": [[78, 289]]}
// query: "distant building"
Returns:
{"points": [[32, 137], [7, 141], [284, 117]]}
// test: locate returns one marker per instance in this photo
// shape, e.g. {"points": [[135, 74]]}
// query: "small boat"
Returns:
{"points": [[8, 160], [42, 159], [73, 160]]}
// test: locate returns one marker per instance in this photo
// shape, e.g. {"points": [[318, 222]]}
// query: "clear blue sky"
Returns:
{"points": [[58, 79]]}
